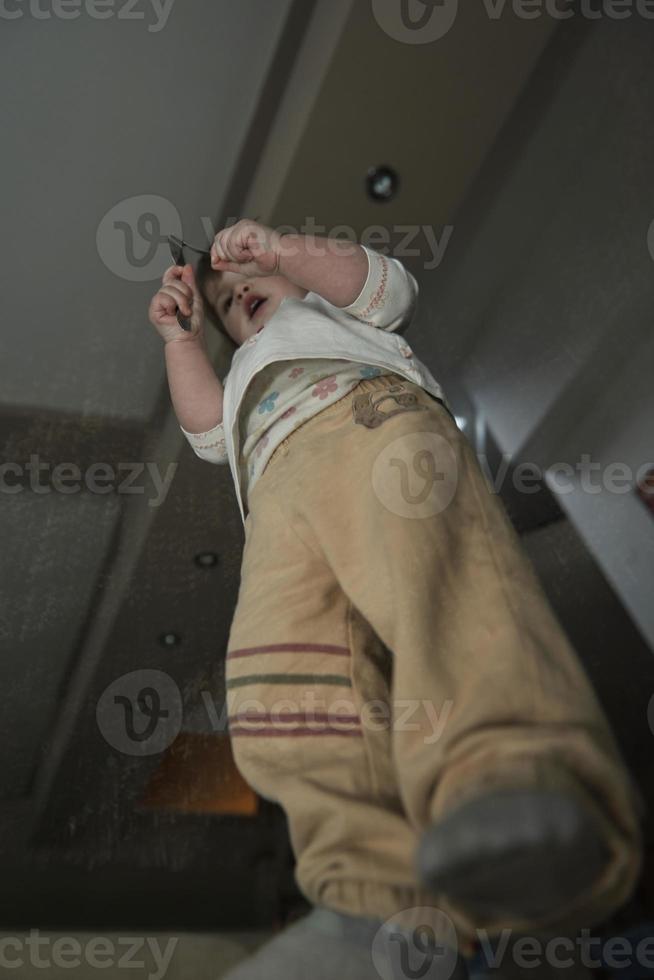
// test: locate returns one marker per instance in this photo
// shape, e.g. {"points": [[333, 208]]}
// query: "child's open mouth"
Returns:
{"points": [[255, 304]]}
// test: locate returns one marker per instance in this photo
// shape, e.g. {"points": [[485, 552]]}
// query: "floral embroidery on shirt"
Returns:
{"points": [[304, 389], [261, 444], [323, 388], [268, 404]]}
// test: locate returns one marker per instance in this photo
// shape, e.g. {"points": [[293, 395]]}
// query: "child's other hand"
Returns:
{"points": [[247, 248], [178, 290]]}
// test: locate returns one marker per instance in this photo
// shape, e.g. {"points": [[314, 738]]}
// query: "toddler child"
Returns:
{"points": [[396, 679]]}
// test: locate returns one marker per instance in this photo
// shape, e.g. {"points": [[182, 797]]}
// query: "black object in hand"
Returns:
{"points": [[177, 246]]}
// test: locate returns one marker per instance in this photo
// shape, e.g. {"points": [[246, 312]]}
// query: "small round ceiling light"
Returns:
{"points": [[382, 183], [206, 559], [169, 639]]}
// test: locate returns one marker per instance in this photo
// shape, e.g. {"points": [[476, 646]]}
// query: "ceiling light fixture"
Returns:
{"points": [[382, 183], [206, 559]]}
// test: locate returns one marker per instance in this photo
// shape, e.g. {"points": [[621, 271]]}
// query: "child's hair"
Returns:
{"points": [[204, 274]]}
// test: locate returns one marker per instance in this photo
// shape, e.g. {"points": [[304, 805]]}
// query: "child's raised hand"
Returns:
{"points": [[178, 291], [247, 248]]}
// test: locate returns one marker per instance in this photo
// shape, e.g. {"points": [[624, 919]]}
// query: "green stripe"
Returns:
{"points": [[289, 679]]}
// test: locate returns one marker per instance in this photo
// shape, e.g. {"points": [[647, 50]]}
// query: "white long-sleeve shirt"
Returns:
{"points": [[308, 356]]}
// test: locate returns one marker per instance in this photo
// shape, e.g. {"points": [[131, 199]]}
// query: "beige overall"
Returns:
{"points": [[392, 653]]}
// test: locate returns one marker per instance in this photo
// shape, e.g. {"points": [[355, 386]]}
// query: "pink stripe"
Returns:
{"points": [[292, 732], [290, 648], [257, 716]]}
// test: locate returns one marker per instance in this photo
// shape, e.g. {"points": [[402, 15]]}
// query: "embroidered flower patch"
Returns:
{"points": [[268, 404], [324, 387]]}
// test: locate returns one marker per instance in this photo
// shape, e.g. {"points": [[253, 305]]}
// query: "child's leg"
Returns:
{"points": [[326, 945], [487, 691], [302, 665]]}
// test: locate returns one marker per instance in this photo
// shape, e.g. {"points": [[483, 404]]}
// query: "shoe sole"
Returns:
{"points": [[516, 852]]}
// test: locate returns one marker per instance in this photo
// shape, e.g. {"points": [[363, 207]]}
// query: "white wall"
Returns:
{"points": [[542, 308], [95, 112]]}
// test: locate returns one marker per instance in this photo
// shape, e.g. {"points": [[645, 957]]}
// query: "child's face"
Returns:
{"points": [[237, 301]]}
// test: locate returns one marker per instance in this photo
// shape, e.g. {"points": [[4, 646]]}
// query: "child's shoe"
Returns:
{"points": [[518, 852]]}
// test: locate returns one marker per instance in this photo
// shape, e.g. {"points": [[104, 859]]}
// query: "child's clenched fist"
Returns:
{"points": [[178, 291], [247, 248]]}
